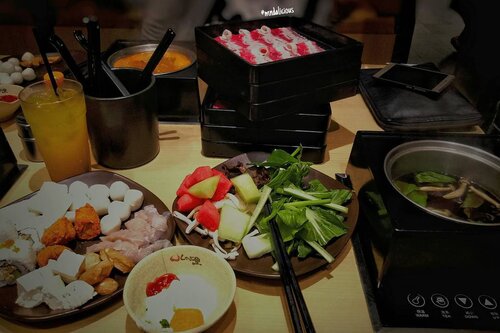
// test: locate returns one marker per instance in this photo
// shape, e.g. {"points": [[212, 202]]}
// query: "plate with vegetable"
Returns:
{"points": [[227, 209], [68, 248]]}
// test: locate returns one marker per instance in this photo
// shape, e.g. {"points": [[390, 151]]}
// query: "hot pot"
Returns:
{"points": [[178, 93], [474, 164]]}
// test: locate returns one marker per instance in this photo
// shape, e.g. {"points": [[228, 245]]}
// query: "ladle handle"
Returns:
{"points": [[158, 54], [59, 45]]}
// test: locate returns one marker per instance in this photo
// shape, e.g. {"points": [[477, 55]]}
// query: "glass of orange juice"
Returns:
{"points": [[59, 126]]}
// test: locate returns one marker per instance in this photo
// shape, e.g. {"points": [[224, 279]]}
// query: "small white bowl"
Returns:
{"points": [[7, 109], [188, 262]]}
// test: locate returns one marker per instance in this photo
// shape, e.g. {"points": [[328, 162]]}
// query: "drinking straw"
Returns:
{"points": [[84, 43], [293, 293], [160, 50], [39, 42], [59, 45]]}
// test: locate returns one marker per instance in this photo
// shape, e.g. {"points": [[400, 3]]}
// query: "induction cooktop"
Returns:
{"points": [[421, 272]]}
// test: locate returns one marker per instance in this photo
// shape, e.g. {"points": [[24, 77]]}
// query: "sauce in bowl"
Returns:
{"points": [[172, 61]]}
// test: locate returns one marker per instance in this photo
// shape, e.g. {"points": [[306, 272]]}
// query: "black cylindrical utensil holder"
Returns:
{"points": [[123, 131]]}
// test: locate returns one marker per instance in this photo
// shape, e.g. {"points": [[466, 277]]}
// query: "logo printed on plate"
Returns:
{"points": [[193, 259]]}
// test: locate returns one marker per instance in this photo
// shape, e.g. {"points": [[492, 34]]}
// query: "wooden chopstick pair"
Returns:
{"points": [[299, 313]]}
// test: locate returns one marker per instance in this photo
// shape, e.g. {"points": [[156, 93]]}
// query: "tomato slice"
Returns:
{"points": [[160, 283]]}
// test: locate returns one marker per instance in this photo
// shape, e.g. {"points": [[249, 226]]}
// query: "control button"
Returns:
{"points": [[416, 300], [463, 301], [440, 301], [487, 302]]}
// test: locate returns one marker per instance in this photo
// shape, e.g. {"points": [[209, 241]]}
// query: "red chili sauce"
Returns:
{"points": [[160, 283], [8, 98]]}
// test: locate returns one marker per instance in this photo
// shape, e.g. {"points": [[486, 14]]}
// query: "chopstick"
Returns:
{"points": [[84, 43], [296, 304], [93, 54]]}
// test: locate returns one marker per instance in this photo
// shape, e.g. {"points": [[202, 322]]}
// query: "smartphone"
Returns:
{"points": [[419, 79]]}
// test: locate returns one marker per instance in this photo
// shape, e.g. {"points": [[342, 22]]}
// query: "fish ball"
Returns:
{"points": [[27, 56], [117, 190], [100, 204], [78, 200], [134, 199], [6, 80], [120, 209], [14, 61], [7, 67], [29, 74], [98, 190], [18, 69], [78, 188], [110, 223], [16, 77]]}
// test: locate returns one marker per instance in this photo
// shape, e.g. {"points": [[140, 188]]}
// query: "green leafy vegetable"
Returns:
{"points": [[308, 217], [412, 192], [164, 323], [433, 177]]}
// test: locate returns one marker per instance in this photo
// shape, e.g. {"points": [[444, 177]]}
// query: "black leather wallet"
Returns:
{"points": [[396, 108]]}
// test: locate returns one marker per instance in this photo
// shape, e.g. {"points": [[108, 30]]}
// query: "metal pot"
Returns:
{"points": [[446, 157], [150, 47]]}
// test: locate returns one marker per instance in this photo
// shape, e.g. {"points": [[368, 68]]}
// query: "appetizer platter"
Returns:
{"points": [[123, 210], [257, 260]]}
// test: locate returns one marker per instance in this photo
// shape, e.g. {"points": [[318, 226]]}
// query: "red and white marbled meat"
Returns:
{"points": [[265, 44]]}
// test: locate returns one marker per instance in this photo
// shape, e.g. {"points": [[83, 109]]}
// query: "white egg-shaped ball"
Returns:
{"points": [[117, 190], [5, 75], [98, 191], [78, 188], [18, 69], [134, 198], [27, 56], [120, 209], [100, 204], [14, 61], [17, 77], [6, 80], [7, 67], [29, 74], [77, 201], [110, 223]]}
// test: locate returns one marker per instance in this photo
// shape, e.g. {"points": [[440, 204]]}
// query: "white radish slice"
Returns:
{"points": [[134, 198], [70, 215], [117, 190]]}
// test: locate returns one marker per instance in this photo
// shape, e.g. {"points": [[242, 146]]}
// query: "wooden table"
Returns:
{"points": [[334, 295]]}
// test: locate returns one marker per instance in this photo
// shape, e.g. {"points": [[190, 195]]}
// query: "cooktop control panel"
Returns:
{"points": [[443, 309]]}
